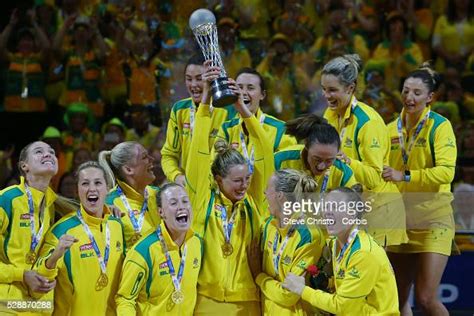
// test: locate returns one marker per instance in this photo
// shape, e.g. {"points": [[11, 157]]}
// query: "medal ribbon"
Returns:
{"points": [[352, 235], [176, 279], [249, 158], [276, 257], [343, 130], [102, 260], [192, 112], [35, 237], [324, 185], [227, 225], [137, 224], [406, 152]]}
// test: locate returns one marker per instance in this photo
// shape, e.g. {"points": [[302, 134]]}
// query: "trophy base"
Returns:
{"points": [[221, 94]]}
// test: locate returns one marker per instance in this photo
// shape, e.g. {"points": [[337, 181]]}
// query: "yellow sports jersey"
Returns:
{"points": [[152, 218], [365, 281], [303, 248], [340, 174], [78, 271], [225, 278], [432, 161], [15, 235], [178, 135], [146, 286], [274, 128]]}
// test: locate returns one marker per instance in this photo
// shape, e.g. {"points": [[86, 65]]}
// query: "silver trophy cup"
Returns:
{"points": [[203, 24]]}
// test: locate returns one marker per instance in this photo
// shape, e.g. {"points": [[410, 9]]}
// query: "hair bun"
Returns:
{"points": [[221, 146], [355, 60], [426, 66]]}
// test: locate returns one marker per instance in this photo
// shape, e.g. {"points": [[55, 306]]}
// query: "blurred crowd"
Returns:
{"points": [[85, 75]]}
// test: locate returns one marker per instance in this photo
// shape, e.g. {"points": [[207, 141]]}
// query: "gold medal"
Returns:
{"points": [[227, 249], [101, 282], [30, 257], [177, 297], [136, 237]]}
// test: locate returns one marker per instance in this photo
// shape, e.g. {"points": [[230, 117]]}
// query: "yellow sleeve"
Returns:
{"points": [[351, 294], [286, 141], [373, 141], [445, 153], [264, 162], [45, 252], [132, 283], [304, 256], [10, 273], [198, 168], [171, 151]]}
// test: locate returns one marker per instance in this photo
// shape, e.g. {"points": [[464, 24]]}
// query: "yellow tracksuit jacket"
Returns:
{"points": [[135, 199], [432, 163], [78, 270], [226, 279], [15, 236], [340, 174], [367, 143], [175, 151], [365, 282], [304, 248], [146, 286]]}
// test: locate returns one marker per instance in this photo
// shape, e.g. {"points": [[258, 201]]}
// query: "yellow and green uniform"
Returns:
{"points": [[304, 247], [77, 272], [226, 279], [274, 128], [148, 139], [83, 76], [364, 281], [25, 75], [15, 235], [146, 285], [340, 174], [432, 163], [175, 151], [152, 218], [365, 140]]}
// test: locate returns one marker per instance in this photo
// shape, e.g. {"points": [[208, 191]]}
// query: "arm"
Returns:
{"points": [[445, 153], [373, 143], [171, 150], [10, 273], [273, 290], [134, 276]]}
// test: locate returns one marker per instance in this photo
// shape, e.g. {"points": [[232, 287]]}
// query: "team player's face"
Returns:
{"points": [[176, 209], [141, 167], [273, 198], [235, 184], [194, 83], [337, 94], [252, 93], [40, 160], [320, 157], [334, 209], [415, 95], [92, 190]]}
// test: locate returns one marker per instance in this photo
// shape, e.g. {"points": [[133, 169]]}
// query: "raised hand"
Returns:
{"points": [[65, 242]]}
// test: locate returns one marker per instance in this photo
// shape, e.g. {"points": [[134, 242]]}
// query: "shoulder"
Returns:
{"points": [[287, 154], [273, 121], [111, 196], [65, 224], [438, 119], [366, 114], [306, 235], [231, 123], [143, 246], [181, 105], [7, 196]]}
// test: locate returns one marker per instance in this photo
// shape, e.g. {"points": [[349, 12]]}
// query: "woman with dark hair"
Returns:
{"points": [[317, 157], [181, 125], [422, 161], [227, 214]]}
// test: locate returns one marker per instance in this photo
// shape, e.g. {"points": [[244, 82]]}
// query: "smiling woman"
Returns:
{"points": [[84, 250], [130, 169]]}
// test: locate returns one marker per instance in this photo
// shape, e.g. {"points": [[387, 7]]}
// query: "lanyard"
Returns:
{"points": [[176, 279], [192, 112], [346, 121], [324, 185], [136, 223], [102, 260], [35, 237], [406, 151], [227, 226], [276, 257], [352, 235], [249, 158]]}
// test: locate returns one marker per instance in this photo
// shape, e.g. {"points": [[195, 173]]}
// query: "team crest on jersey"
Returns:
{"points": [[196, 263], [302, 265], [354, 273], [450, 143], [286, 260], [421, 142], [348, 142], [375, 143], [341, 274]]}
